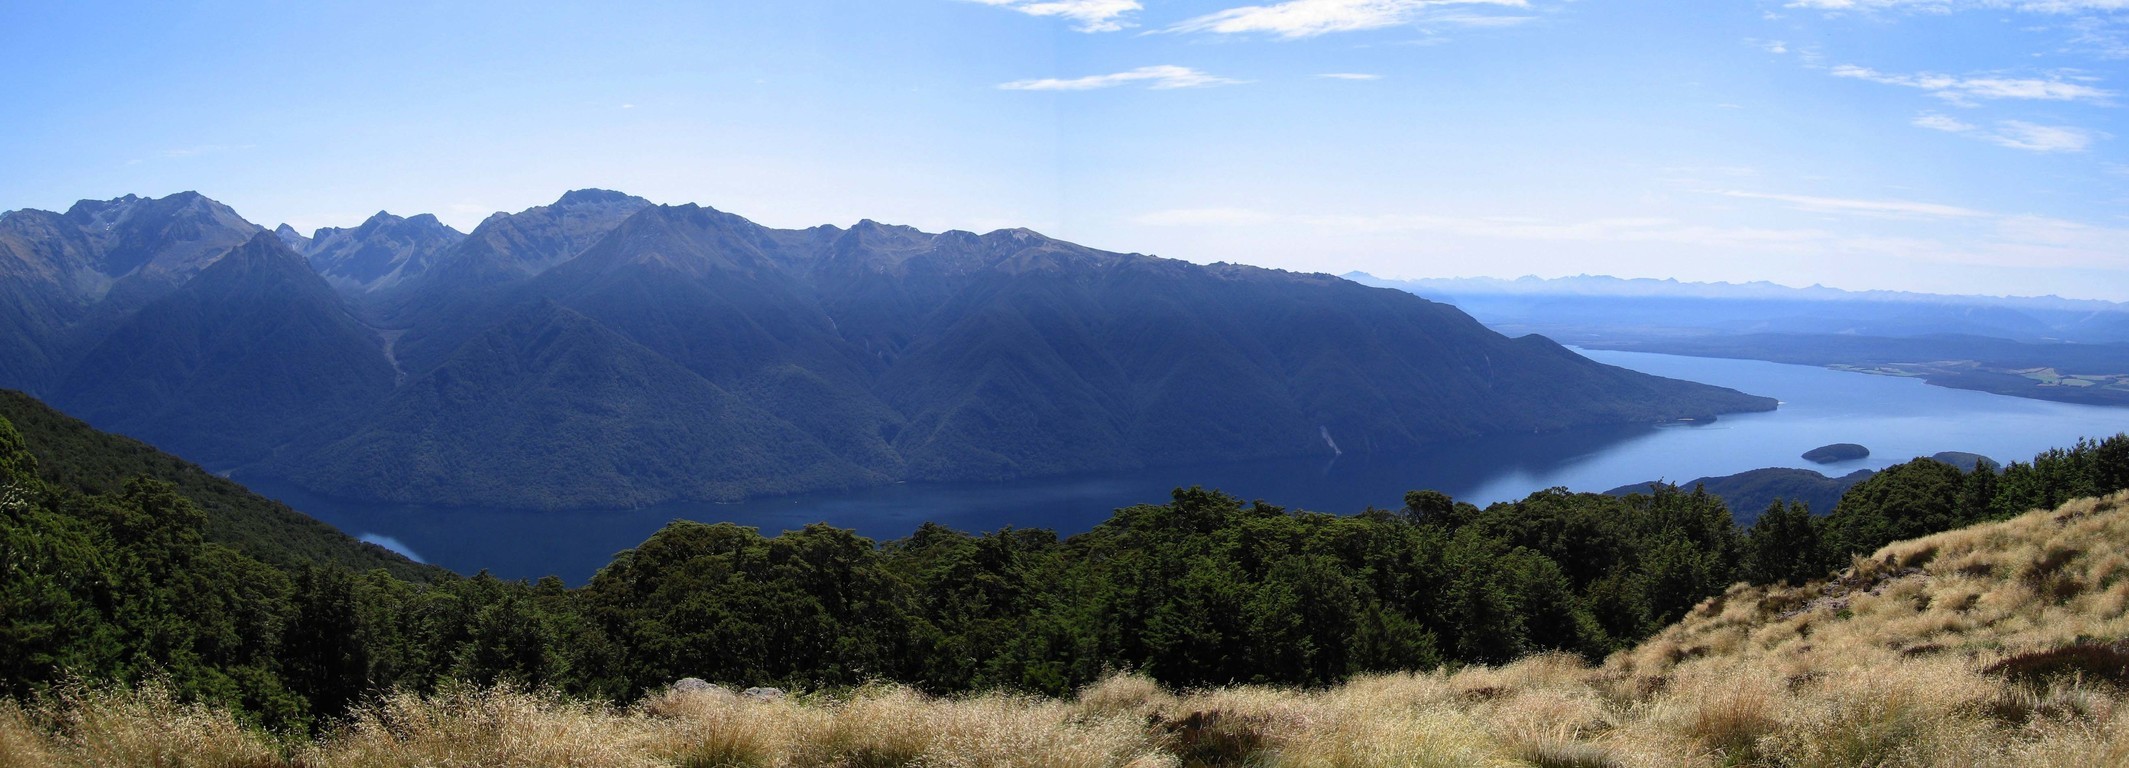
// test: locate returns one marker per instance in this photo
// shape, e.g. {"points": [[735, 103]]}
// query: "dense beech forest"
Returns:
{"points": [[145, 579]]}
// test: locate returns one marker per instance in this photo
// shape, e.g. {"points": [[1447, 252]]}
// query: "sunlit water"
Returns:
{"points": [[1896, 418]]}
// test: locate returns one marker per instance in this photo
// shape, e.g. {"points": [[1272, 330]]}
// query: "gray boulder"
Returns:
{"points": [[694, 685]]}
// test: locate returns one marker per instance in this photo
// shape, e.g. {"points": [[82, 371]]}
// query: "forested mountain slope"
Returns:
{"points": [[254, 354], [66, 278], [70, 454], [604, 351]]}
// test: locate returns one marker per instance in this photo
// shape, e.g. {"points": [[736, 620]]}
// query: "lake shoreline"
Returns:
{"points": [[1898, 418]]}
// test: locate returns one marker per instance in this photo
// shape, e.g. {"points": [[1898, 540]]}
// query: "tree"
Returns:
{"points": [[18, 467], [1431, 508], [512, 642], [1784, 546], [2110, 464], [1977, 494], [323, 656], [1905, 501]]}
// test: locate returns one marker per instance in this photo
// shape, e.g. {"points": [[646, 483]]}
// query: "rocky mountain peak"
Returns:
{"points": [[291, 237], [584, 197], [379, 252], [264, 248]]}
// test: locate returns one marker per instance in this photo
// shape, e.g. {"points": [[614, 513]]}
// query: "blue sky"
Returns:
{"points": [[1963, 146]]}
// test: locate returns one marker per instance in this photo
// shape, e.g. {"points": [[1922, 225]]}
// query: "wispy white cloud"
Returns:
{"points": [[1691, 173], [2104, 37], [1349, 76], [1477, 19], [1310, 18], [2071, 6], [2045, 241], [1901, 208], [1951, 235], [187, 153], [1086, 15], [1205, 217], [2019, 134], [1990, 238], [1944, 6], [1163, 77], [204, 149], [2016, 134], [1618, 229], [1946, 123], [1965, 91]]}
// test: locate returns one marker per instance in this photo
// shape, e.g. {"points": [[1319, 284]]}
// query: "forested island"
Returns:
{"points": [[1836, 452]]}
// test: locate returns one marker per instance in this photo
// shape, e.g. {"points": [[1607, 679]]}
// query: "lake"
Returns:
{"points": [[1896, 418]]}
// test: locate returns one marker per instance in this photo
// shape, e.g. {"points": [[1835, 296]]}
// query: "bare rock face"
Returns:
{"points": [[764, 694], [379, 253]]}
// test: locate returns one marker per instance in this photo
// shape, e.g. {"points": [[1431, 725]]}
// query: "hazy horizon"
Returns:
{"points": [[1951, 146]]}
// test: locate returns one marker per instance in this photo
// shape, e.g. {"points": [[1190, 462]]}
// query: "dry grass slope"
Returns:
{"points": [[1990, 646]]}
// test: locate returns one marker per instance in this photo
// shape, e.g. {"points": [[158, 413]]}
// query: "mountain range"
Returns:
{"points": [[602, 351], [2044, 348], [1594, 308]]}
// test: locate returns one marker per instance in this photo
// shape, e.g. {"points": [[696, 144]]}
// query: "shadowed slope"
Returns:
{"points": [[73, 455], [67, 278], [448, 297], [607, 422], [861, 355], [256, 352], [958, 356]]}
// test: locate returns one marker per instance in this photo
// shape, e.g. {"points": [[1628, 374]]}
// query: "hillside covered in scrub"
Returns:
{"points": [[123, 570], [1995, 645]]}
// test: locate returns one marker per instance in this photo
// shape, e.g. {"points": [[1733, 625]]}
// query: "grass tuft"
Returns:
{"points": [[2082, 662], [147, 726], [1217, 739], [1567, 754]]}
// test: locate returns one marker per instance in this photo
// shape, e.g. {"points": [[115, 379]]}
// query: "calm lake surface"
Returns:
{"points": [[1896, 418]]}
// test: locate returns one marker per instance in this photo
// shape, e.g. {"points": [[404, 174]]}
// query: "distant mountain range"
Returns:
{"points": [[604, 351], [2045, 348], [1607, 285], [1594, 304]]}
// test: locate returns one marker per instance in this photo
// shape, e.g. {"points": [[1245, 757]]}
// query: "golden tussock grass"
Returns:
{"points": [[1990, 646], [21, 745], [111, 727]]}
